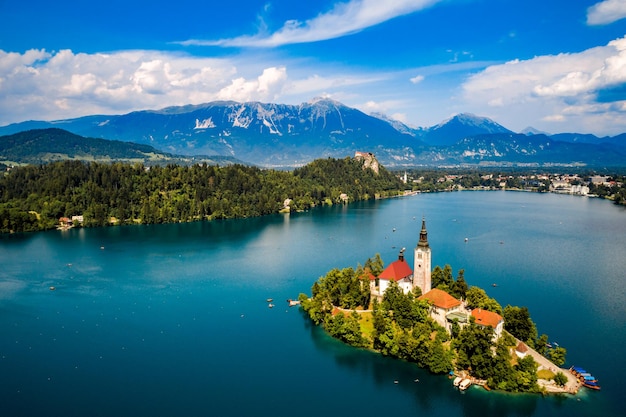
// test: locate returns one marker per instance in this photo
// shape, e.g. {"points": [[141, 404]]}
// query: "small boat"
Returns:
{"points": [[465, 384], [270, 305], [592, 385], [293, 302], [52, 288], [466, 239], [494, 285], [457, 381], [269, 300]]}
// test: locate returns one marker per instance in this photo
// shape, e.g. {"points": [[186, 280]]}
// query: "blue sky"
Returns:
{"points": [[556, 65]]}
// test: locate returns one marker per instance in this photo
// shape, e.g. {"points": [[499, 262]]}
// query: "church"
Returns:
{"points": [[444, 307], [400, 271]]}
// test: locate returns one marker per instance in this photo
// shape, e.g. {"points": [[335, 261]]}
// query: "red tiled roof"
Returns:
{"points": [[486, 318], [521, 347], [440, 298], [396, 271]]}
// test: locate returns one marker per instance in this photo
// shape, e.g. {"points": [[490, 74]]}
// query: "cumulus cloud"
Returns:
{"points": [[606, 12], [343, 19], [50, 86], [55, 85], [557, 87], [417, 79], [266, 87]]}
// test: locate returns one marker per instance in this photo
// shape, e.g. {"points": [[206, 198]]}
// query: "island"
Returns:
{"points": [[425, 316]]}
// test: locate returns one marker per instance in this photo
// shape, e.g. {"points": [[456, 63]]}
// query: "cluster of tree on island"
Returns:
{"points": [[400, 326], [35, 197]]}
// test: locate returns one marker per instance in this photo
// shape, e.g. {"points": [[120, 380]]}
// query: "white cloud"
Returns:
{"points": [[562, 87], [49, 86], [343, 19], [417, 79], [266, 87], [606, 12]]}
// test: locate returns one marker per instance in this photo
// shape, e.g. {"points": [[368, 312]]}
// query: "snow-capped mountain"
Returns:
{"points": [[459, 127], [269, 134], [261, 133]]}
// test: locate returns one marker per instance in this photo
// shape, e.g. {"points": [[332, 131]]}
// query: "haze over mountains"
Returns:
{"points": [[280, 135]]}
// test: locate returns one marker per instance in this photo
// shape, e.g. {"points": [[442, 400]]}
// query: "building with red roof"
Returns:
{"points": [[444, 307], [489, 319], [398, 271]]}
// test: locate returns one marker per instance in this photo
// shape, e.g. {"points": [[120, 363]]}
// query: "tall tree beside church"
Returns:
{"points": [[517, 322], [436, 276], [459, 289], [375, 265]]}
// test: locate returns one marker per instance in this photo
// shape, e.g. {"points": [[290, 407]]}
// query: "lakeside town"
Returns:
{"points": [[610, 187]]}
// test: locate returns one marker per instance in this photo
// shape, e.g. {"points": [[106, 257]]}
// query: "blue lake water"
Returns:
{"points": [[172, 320]]}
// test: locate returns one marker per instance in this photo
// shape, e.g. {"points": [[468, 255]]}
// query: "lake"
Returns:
{"points": [[172, 320]]}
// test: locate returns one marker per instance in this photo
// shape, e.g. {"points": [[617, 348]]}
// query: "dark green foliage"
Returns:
{"points": [[347, 329], [331, 177], [541, 344], [560, 379], [478, 298], [44, 145], [134, 194], [474, 350], [557, 355], [374, 265], [459, 288], [517, 322]]}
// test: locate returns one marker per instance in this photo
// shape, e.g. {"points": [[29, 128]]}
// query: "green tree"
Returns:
{"points": [[459, 288], [560, 379], [517, 322], [474, 350], [375, 265], [477, 298], [527, 374], [541, 344], [557, 355], [436, 276]]}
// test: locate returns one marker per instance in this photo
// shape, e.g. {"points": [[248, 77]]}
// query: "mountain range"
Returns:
{"points": [[280, 135]]}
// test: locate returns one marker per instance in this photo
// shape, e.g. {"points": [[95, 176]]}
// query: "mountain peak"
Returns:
{"points": [[460, 126]]}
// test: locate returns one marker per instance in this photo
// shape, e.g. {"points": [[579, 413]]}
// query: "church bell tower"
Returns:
{"points": [[422, 262]]}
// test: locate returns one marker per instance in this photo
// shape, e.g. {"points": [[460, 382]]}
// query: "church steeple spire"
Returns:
{"points": [[423, 242], [422, 262]]}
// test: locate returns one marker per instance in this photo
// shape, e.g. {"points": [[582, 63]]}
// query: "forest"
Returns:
{"points": [[400, 326], [36, 197]]}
